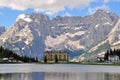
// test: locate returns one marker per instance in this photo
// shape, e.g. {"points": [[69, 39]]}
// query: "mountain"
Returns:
{"points": [[112, 41], [33, 33], [2, 29], [26, 36]]}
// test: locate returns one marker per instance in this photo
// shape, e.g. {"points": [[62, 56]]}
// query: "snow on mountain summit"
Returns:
{"points": [[24, 17]]}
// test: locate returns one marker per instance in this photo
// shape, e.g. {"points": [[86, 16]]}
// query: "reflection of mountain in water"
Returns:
{"points": [[74, 76], [59, 76]]}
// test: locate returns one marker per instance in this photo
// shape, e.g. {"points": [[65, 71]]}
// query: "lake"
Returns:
{"points": [[58, 72]]}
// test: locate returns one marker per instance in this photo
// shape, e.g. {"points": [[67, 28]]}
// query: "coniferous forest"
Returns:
{"points": [[5, 53], [112, 52]]}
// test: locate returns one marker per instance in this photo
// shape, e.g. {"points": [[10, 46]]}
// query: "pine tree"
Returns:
{"points": [[45, 59], [5, 53], [56, 59], [106, 55]]}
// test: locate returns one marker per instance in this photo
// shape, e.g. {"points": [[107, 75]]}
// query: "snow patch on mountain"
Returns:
{"points": [[75, 44], [107, 23], [52, 42], [97, 26], [24, 17], [4, 39], [75, 34], [78, 28], [116, 43], [101, 54]]}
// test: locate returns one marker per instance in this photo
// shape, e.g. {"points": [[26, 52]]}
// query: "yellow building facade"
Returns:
{"points": [[55, 56]]}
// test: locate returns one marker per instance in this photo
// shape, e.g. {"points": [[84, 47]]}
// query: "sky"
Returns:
{"points": [[10, 9]]}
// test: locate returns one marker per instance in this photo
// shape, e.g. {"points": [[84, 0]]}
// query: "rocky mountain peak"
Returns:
{"points": [[32, 17], [100, 13], [38, 17]]}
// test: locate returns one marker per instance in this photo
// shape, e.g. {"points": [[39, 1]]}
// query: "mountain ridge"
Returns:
{"points": [[32, 34]]}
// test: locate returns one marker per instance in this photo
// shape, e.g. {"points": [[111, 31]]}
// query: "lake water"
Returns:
{"points": [[58, 72], [59, 76]]}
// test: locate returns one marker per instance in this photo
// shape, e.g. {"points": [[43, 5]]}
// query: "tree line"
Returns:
{"points": [[111, 52], [5, 53]]}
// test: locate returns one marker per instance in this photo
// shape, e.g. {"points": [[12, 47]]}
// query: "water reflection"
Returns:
{"points": [[59, 76], [22, 76]]}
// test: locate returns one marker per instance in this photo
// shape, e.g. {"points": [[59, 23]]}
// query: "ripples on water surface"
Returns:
{"points": [[59, 76]]}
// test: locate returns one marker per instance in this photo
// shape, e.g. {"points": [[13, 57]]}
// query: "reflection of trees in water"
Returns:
{"points": [[22, 76], [112, 76], [15, 76]]}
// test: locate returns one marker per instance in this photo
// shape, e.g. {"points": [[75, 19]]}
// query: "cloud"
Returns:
{"points": [[93, 10], [68, 14], [106, 1], [47, 6], [116, 0]]}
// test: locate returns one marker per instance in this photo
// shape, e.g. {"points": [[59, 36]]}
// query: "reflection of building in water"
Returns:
{"points": [[112, 76], [93, 76], [61, 76], [74, 76]]}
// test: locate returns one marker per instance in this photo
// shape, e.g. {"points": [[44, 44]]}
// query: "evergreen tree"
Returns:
{"points": [[106, 55], [112, 52], [45, 59], [5, 53], [56, 59]]}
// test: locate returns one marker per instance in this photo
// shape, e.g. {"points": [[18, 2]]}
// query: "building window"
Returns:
{"points": [[50, 56], [64, 57], [60, 57]]}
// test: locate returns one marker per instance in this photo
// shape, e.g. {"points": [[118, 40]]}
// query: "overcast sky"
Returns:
{"points": [[10, 9]]}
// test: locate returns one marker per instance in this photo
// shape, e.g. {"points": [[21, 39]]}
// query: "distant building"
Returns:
{"points": [[12, 59], [55, 56], [100, 59], [113, 58], [5, 60]]}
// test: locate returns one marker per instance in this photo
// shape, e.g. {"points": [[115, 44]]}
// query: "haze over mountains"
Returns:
{"points": [[33, 33]]}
